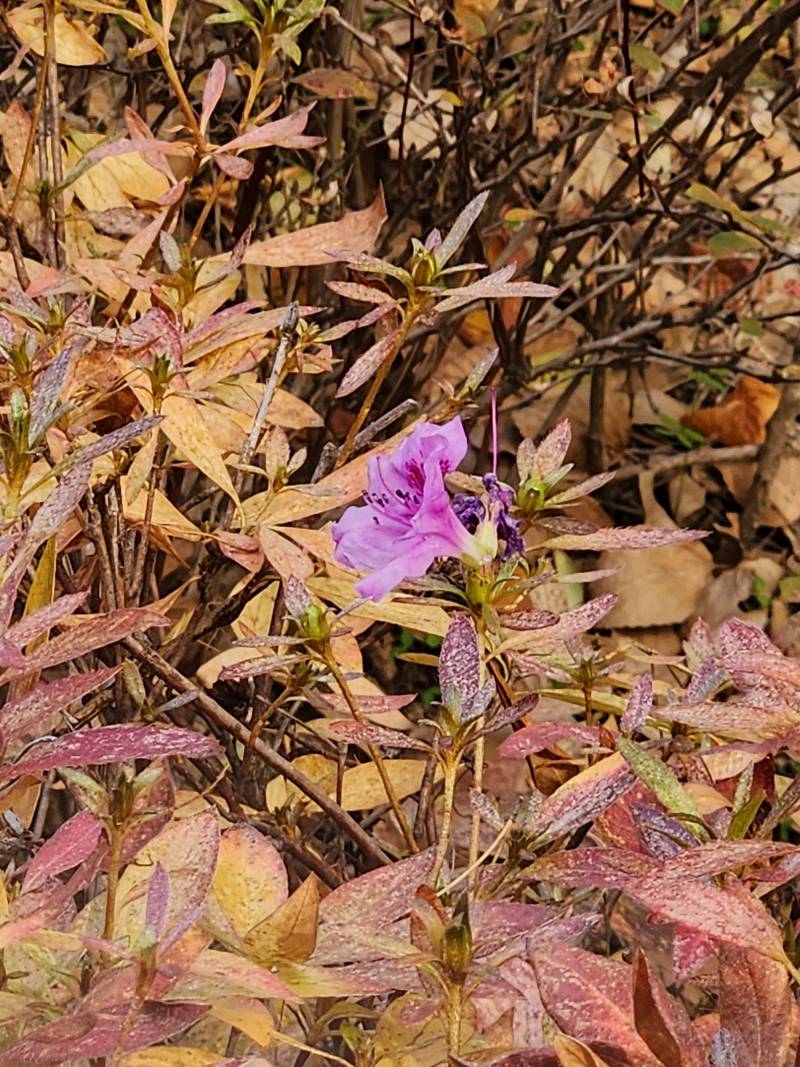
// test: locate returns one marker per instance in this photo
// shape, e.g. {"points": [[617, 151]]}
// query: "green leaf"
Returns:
{"points": [[673, 6], [743, 819], [731, 242], [707, 196], [752, 327], [646, 58], [657, 776]]}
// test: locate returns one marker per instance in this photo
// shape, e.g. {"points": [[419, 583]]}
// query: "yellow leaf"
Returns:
{"points": [[75, 46], [43, 586], [250, 880], [362, 788], [165, 516], [139, 471], [287, 559], [249, 1016], [572, 1053], [185, 428], [317, 768], [290, 933], [169, 1056], [340, 590], [111, 182]]}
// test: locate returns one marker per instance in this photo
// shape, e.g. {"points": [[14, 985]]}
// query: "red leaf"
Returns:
{"points": [[544, 735], [367, 364], [84, 1034], [639, 706], [45, 618], [112, 744], [609, 868], [378, 897], [22, 716], [87, 637], [757, 1007], [662, 1022], [357, 733], [212, 91], [72, 843], [591, 999], [585, 796]]}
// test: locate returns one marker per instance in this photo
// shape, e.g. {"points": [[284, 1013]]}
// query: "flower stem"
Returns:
{"points": [[475, 827], [375, 755], [114, 863], [450, 774]]}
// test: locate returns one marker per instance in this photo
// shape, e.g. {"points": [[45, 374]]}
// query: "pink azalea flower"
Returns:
{"points": [[408, 520]]}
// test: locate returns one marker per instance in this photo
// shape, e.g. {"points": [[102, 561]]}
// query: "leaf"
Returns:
{"points": [[285, 132], [582, 798], [311, 247], [742, 417], [187, 850], [661, 1021], [460, 664], [215, 974], [607, 868], [112, 744], [72, 843], [591, 999], [23, 716], [732, 242], [627, 537], [757, 1007], [366, 734], [250, 881], [363, 789], [75, 47], [544, 735], [184, 426], [84, 1034], [646, 58], [367, 364], [98, 632], [658, 777], [460, 228], [379, 897], [170, 1056], [332, 83], [212, 92], [248, 1016], [640, 704], [572, 1053], [732, 719], [290, 933]]}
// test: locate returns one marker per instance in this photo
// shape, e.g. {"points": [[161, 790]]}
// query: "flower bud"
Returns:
{"points": [[457, 944]]}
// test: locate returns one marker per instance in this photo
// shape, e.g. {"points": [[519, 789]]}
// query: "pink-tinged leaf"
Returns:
{"points": [[460, 228], [255, 668], [50, 386], [496, 287], [768, 667], [38, 622], [367, 364], [354, 233], [460, 664], [57, 508], [733, 719], [364, 294], [112, 744], [725, 915], [663, 1022], [283, 132], [83, 1035], [233, 166], [216, 974], [527, 1057], [639, 706], [72, 843], [544, 735], [584, 797], [549, 455], [117, 438], [570, 624], [691, 950], [757, 1007], [722, 1052], [158, 892], [357, 733], [736, 635], [706, 680], [212, 91], [125, 146], [628, 537], [379, 897], [88, 637], [497, 924], [605, 868], [591, 999], [11, 654], [575, 492], [153, 808]]}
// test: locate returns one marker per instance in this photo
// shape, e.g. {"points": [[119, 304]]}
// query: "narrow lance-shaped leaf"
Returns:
{"points": [[639, 706], [71, 844], [460, 664], [367, 364], [112, 744], [584, 797], [460, 228], [23, 716], [657, 776], [629, 537], [212, 91]]}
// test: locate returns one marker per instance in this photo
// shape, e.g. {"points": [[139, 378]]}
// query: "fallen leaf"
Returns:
{"points": [[741, 418], [75, 46]]}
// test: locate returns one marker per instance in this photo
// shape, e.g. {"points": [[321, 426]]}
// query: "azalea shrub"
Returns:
{"points": [[326, 734]]}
